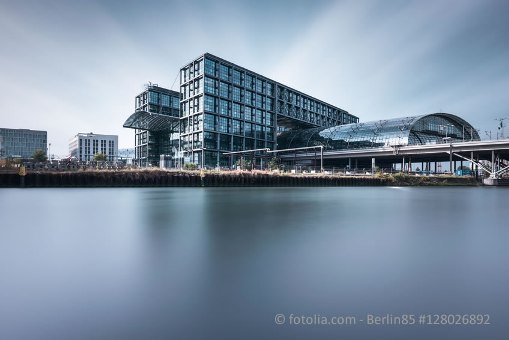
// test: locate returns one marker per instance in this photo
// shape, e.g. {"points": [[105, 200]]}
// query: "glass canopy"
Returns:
{"points": [[418, 130]]}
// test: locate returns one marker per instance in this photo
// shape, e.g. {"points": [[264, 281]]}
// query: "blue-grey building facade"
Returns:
{"points": [[227, 108], [22, 143], [221, 108], [156, 122]]}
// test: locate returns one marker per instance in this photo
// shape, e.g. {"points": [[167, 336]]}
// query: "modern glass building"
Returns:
{"points": [[21, 143], [227, 108], [418, 130], [156, 124]]}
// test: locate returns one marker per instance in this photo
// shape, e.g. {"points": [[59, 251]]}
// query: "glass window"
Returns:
{"points": [[153, 98], [237, 143], [210, 86], [250, 143], [224, 142], [248, 97], [224, 107], [236, 110], [259, 101], [259, 86], [165, 100], [209, 104], [236, 77], [259, 117], [210, 67], [248, 130], [209, 122], [247, 113], [236, 127], [223, 124], [224, 72], [269, 89], [223, 90], [175, 102], [249, 81], [236, 94], [210, 140]]}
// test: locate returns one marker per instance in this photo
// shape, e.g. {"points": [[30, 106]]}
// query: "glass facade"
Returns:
{"points": [[228, 108], [221, 108], [156, 134], [21, 143], [426, 129]]}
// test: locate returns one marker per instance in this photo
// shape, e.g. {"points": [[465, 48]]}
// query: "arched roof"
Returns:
{"points": [[416, 130]]}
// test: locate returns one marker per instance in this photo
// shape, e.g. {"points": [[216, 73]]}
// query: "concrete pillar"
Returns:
{"points": [[492, 163]]}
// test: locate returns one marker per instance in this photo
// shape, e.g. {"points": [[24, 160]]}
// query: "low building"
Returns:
{"points": [[22, 143], [84, 146]]}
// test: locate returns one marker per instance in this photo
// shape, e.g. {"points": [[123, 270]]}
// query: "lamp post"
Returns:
{"points": [[49, 152]]}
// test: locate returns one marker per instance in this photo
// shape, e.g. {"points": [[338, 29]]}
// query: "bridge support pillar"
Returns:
{"points": [[450, 158], [492, 163]]}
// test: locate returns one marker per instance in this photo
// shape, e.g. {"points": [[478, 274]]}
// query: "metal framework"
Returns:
{"points": [[149, 121], [418, 130]]}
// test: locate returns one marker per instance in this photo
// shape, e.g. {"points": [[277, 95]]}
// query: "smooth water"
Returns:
{"points": [[222, 263]]}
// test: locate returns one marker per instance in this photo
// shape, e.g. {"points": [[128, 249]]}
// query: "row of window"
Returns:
{"points": [[191, 71], [157, 98], [238, 127], [238, 77], [191, 89], [236, 110], [218, 141]]}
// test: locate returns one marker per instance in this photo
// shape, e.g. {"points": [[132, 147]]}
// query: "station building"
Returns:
{"points": [[223, 108]]}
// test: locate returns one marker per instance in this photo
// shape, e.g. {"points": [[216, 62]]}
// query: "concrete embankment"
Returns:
{"points": [[151, 178]]}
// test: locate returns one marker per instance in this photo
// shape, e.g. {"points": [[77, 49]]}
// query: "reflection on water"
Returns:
{"points": [[193, 263]]}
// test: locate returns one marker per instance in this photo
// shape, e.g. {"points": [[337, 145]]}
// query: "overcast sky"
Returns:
{"points": [[76, 66]]}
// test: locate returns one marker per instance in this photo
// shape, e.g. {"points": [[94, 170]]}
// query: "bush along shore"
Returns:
{"points": [[163, 178]]}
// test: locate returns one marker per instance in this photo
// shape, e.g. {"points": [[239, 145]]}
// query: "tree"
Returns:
{"points": [[190, 166], [274, 163], [245, 164], [39, 156], [99, 157]]}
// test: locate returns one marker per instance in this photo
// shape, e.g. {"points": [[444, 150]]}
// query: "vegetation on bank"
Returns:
{"points": [[203, 178], [402, 179]]}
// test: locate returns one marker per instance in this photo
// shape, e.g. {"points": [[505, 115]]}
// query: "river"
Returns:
{"points": [[254, 263]]}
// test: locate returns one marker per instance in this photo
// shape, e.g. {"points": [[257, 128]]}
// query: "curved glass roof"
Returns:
{"points": [[417, 130], [144, 120]]}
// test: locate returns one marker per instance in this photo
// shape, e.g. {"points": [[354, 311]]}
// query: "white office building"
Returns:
{"points": [[84, 146]]}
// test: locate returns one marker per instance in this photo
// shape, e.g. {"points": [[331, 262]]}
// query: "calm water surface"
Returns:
{"points": [[221, 263]]}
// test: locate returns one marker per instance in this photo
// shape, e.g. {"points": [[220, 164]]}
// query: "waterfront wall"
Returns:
{"points": [[161, 178], [153, 178]]}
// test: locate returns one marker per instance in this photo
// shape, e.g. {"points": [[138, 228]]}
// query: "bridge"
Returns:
{"points": [[490, 156]]}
